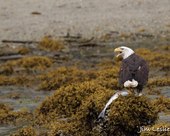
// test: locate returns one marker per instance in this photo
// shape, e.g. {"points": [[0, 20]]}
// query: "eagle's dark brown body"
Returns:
{"points": [[134, 67]]}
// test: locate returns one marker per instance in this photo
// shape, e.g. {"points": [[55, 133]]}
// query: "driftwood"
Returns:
{"points": [[18, 41], [71, 37], [144, 35], [68, 35], [11, 57], [88, 44], [67, 38], [75, 39]]}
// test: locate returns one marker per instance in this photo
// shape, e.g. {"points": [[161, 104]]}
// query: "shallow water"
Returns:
{"points": [[28, 98], [166, 91], [6, 130]]}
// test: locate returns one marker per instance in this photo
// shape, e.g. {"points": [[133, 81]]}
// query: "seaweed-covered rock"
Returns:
{"points": [[8, 116], [127, 114], [25, 131], [156, 59], [85, 119], [6, 69], [64, 128], [162, 104], [66, 100], [91, 107], [50, 44], [24, 50], [27, 64], [64, 76], [159, 81], [124, 118], [16, 80], [34, 62], [4, 107], [108, 78]]}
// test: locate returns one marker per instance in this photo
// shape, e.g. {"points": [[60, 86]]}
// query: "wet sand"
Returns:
{"points": [[31, 20]]}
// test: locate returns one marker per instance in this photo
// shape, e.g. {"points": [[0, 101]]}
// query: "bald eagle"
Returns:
{"points": [[134, 69], [133, 73]]}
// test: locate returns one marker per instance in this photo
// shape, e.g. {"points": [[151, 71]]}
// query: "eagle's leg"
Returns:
{"points": [[139, 92]]}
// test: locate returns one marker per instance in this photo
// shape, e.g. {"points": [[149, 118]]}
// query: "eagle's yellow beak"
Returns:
{"points": [[118, 52]]}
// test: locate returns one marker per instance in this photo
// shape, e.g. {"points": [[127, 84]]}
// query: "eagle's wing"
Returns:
{"points": [[125, 72], [142, 73], [134, 68]]}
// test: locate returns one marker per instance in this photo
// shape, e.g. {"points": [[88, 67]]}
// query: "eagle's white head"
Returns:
{"points": [[123, 51]]}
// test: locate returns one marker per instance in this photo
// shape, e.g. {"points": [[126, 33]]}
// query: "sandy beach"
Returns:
{"points": [[32, 19]]}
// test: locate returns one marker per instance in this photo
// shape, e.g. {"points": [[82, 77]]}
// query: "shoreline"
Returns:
{"points": [[30, 20]]}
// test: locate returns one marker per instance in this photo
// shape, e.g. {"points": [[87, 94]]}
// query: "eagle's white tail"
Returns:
{"points": [[114, 97], [132, 83]]}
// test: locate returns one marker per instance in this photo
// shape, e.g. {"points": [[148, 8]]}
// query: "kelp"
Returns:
{"points": [[51, 44], [6, 69], [8, 116], [20, 80], [162, 104], [155, 59], [26, 131], [159, 81], [124, 117], [27, 64], [23, 50], [128, 113], [34, 62], [66, 100], [63, 128], [80, 105], [64, 76]]}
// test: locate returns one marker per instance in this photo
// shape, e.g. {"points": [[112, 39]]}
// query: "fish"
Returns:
{"points": [[114, 97]]}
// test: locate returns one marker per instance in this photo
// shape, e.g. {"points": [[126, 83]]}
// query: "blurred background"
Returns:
{"points": [[58, 70]]}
